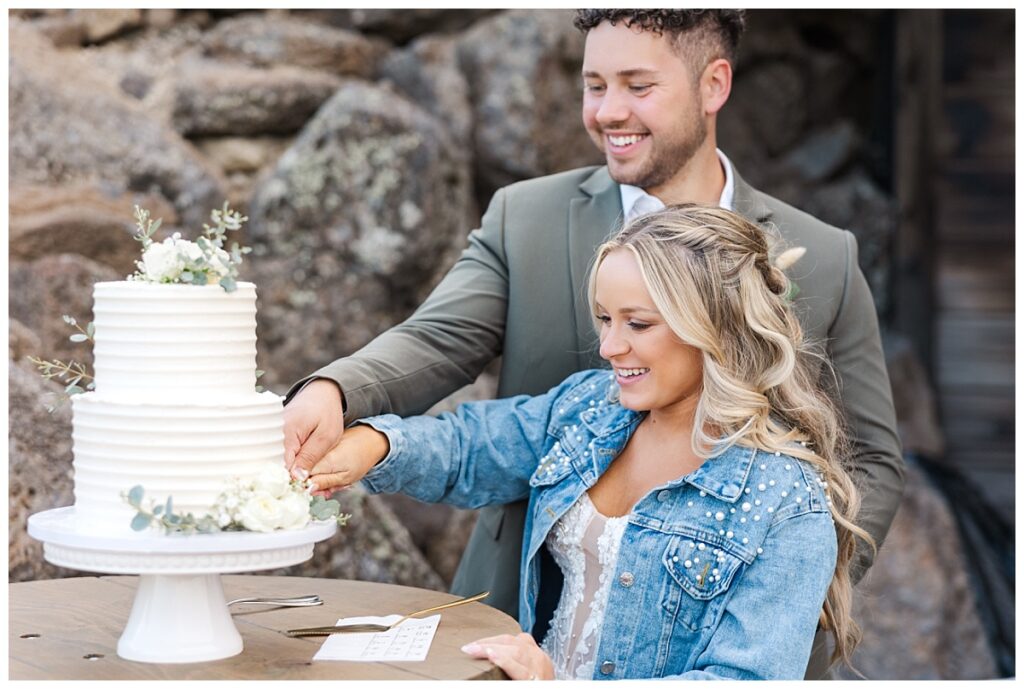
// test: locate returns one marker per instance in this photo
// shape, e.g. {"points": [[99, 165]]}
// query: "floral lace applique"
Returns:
{"points": [[585, 545]]}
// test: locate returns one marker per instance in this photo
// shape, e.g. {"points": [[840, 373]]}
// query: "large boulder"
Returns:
{"points": [[855, 202], [768, 99], [263, 41], [397, 25], [49, 287], [216, 99], [79, 219], [915, 605], [524, 67], [355, 224], [69, 123], [38, 470], [22, 342], [145, 63], [427, 73]]}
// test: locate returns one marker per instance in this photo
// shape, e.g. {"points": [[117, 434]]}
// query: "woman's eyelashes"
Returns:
{"points": [[638, 326]]}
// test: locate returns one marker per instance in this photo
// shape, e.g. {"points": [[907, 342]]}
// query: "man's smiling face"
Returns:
{"points": [[641, 105]]}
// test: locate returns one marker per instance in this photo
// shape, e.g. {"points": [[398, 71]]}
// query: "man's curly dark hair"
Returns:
{"points": [[703, 35]]}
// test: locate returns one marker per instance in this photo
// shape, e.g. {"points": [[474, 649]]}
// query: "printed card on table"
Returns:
{"points": [[409, 641]]}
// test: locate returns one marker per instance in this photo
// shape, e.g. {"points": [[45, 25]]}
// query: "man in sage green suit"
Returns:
{"points": [[518, 290]]}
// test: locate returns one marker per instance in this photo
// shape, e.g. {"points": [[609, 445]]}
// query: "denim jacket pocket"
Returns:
{"points": [[698, 574]]}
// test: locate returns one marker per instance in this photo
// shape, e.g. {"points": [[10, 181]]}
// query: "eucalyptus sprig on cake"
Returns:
{"points": [[268, 501], [184, 262], [71, 373]]}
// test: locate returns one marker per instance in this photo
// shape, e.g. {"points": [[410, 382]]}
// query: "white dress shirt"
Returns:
{"points": [[636, 201]]}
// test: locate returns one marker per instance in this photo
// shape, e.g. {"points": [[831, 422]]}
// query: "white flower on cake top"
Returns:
{"points": [[181, 261]]}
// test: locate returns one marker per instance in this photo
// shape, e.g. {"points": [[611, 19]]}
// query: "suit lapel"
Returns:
{"points": [[593, 217], [747, 201]]}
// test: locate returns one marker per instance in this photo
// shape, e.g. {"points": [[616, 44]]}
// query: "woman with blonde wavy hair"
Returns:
{"points": [[695, 496]]}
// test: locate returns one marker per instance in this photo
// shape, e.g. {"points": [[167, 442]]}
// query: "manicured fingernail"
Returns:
{"points": [[470, 648]]}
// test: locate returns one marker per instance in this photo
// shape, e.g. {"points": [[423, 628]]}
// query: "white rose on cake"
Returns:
{"points": [[294, 510], [273, 480], [162, 261], [260, 512], [167, 261]]}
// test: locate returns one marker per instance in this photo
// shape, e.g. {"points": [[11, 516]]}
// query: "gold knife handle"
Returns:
{"points": [[468, 599], [323, 631]]}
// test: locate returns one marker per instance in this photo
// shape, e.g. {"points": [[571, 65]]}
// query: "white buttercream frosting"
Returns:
{"points": [[174, 340], [175, 408]]}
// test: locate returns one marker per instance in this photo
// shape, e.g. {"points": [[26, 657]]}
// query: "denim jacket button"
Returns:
{"points": [[626, 579], [664, 495], [607, 667]]}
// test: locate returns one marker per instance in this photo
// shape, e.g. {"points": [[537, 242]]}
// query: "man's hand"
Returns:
{"points": [[519, 656], [359, 450], [313, 424]]}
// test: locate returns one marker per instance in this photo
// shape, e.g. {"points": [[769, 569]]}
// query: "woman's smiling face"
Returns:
{"points": [[655, 370]]}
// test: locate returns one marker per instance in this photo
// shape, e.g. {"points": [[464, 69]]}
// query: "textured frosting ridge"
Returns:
{"points": [[175, 408], [171, 340]]}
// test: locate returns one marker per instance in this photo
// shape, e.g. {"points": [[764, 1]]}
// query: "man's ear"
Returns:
{"points": [[715, 85]]}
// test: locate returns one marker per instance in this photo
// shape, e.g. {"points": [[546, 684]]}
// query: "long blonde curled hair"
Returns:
{"points": [[710, 276]]}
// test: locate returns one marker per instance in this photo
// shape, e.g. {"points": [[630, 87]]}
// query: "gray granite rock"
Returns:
{"points": [[856, 203], [427, 73], [524, 67], [49, 287], [22, 342], [265, 41], [69, 123], [38, 469], [243, 154], [356, 223], [79, 219], [213, 99], [915, 605], [402, 25], [768, 99], [101, 25]]}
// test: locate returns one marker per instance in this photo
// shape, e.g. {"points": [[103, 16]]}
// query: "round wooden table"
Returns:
{"points": [[68, 629]]}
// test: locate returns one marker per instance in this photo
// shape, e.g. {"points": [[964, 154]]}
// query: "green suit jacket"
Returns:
{"points": [[518, 291]]}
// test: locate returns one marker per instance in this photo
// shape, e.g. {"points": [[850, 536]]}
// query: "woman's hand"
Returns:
{"points": [[358, 451], [519, 656]]}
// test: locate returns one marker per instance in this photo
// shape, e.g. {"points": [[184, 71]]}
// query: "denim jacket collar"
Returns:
{"points": [[723, 475]]}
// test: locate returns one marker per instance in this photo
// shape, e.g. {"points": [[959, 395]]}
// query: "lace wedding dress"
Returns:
{"points": [[585, 545]]}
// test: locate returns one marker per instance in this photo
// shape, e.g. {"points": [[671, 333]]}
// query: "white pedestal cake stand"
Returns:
{"points": [[179, 614]]}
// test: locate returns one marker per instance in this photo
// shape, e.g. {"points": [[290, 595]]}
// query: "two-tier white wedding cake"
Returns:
{"points": [[174, 407]]}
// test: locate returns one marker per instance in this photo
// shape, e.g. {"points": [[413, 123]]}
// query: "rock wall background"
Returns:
{"points": [[363, 145]]}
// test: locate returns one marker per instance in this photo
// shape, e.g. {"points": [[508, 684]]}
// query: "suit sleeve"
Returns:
{"points": [[866, 396], [441, 347]]}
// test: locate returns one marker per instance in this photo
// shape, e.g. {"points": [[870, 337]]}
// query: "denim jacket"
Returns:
{"points": [[721, 573]]}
